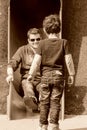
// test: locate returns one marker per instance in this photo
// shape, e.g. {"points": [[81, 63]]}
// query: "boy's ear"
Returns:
{"points": [[45, 31], [28, 40]]}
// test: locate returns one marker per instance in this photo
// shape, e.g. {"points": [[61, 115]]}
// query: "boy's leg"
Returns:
{"points": [[29, 94], [44, 105], [56, 95]]}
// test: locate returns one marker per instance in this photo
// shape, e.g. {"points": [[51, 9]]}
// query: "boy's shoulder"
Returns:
{"points": [[45, 41], [42, 42]]}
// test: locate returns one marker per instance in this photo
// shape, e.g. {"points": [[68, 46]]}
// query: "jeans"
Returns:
{"points": [[51, 89]]}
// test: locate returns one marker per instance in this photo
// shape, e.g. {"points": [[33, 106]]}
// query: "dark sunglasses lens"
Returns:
{"points": [[38, 39], [32, 40]]}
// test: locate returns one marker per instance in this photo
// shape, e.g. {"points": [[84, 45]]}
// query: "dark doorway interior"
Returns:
{"points": [[26, 14]]}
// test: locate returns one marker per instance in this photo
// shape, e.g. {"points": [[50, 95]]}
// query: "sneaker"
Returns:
{"points": [[30, 102], [43, 127], [53, 126]]}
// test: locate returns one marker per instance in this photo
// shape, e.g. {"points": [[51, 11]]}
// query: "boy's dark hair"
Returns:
{"points": [[51, 24], [33, 31]]}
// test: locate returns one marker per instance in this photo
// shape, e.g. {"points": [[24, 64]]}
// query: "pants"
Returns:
{"points": [[50, 94]]}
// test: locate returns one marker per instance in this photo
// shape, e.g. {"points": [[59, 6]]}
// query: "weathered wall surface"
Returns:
{"points": [[75, 30], [3, 54], [3, 30]]}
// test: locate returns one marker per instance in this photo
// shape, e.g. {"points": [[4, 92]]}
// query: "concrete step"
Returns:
{"points": [[32, 123]]}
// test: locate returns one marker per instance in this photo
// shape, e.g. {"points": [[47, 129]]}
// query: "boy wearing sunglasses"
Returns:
{"points": [[50, 56], [24, 56]]}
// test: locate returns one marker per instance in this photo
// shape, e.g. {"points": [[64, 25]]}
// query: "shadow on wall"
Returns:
{"points": [[74, 100], [75, 31], [75, 27], [76, 97]]}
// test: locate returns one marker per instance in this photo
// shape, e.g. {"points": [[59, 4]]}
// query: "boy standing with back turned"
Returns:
{"points": [[50, 56]]}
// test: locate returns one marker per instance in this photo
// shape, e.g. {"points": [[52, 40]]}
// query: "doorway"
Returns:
{"points": [[25, 14]]}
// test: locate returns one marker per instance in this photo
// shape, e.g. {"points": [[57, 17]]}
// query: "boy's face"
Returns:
{"points": [[33, 40]]}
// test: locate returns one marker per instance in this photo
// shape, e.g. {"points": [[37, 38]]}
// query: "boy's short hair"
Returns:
{"points": [[51, 24], [33, 31]]}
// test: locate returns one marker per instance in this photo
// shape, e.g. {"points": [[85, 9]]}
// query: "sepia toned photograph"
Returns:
{"points": [[43, 65]]}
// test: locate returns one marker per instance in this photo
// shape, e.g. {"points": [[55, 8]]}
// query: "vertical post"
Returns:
{"points": [[63, 104], [63, 95], [61, 5], [10, 86], [8, 33]]}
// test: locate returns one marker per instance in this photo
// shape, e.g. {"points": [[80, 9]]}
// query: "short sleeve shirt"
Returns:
{"points": [[53, 52]]}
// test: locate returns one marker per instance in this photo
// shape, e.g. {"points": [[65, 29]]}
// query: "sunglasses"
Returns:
{"points": [[37, 39]]}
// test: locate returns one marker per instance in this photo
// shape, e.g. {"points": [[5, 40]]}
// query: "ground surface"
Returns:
{"points": [[74, 123]]}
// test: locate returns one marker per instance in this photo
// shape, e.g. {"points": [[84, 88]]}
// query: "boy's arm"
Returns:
{"points": [[70, 64], [34, 66], [70, 68]]}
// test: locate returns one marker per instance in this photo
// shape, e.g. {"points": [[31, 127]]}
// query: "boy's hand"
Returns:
{"points": [[29, 78], [9, 78], [71, 80]]}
